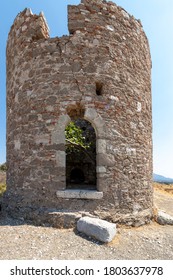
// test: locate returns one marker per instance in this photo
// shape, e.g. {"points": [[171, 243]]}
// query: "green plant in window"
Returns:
{"points": [[77, 141], [74, 136]]}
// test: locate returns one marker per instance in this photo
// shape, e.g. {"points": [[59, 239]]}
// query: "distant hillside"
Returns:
{"points": [[162, 179]]}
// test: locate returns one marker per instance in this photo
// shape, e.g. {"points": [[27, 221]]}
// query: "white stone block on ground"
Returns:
{"points": [[164, 218], [101, 230]]}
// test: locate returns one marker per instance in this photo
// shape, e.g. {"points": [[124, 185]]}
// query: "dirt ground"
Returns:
{"points": [[163, 197], [21, 241]]}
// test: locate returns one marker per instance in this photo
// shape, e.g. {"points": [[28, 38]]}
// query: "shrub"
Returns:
{"points": [[2, 188], [3, 167]]}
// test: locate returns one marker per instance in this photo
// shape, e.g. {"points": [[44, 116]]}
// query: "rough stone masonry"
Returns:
{"points": [[100, 72]]}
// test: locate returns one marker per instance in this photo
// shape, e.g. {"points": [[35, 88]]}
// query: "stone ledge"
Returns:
{"points": [[80, 194]]}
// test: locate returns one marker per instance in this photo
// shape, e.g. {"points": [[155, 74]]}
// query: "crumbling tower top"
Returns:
{"points": [[28, 27]]}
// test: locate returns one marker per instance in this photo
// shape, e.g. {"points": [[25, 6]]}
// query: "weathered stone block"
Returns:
{"points": [[105, 160], [80, 194], [17, 144], [97, 228], [90, 114], [60, 158], [101, 146], [164, 219], [101, 169]]}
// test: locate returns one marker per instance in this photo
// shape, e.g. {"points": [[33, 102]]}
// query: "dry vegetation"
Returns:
{"points": [[2, 182], [165, 188]]}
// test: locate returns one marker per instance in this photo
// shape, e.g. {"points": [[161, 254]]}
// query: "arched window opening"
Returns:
{"points": [[80, 155]]}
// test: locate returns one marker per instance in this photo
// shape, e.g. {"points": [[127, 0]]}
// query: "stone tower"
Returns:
{"points": [[100, 73]]}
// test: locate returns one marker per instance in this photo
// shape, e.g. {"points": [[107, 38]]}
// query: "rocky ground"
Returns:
{"points": [[21, 241]]}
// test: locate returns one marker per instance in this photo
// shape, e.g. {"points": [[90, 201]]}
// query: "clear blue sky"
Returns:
{"points": [[157, 19]]}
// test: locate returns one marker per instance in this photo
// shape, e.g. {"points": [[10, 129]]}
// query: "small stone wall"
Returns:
{"points": [[101, 71]]}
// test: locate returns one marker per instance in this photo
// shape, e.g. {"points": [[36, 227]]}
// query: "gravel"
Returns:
{"points": [[20, 241]]}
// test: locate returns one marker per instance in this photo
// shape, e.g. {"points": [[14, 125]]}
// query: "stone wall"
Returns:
{"points": [[100, 72]]}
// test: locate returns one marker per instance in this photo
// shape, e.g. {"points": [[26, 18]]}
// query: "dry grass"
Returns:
{"points": [[2, 188], [165, 188], [2, 182], [2, 177]]}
